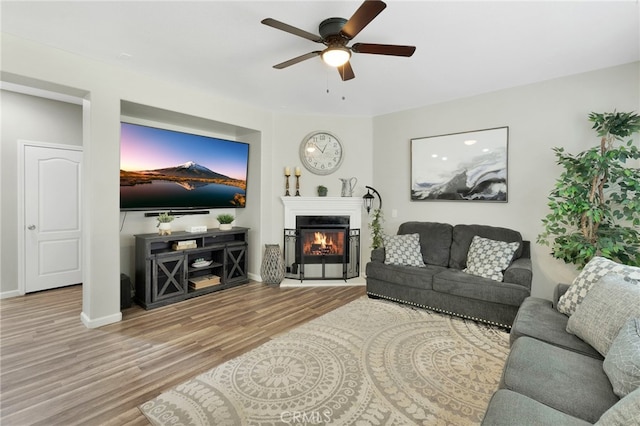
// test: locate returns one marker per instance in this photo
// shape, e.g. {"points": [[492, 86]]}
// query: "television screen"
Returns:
{"points": [[167, 170]]}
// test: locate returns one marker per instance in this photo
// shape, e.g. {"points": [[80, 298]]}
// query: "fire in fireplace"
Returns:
{"points": [[323, 239], [322, 243]]}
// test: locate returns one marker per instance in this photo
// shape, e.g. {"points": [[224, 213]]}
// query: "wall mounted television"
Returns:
{"points": [[163, 169]]}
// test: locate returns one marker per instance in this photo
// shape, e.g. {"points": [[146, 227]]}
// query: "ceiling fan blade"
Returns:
{"points": [[297, 59], [362, 17], [383, 49], [291, 30], [346, 72]]}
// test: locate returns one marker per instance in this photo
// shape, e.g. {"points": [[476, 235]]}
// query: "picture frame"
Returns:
{"points": [[466, 166]]}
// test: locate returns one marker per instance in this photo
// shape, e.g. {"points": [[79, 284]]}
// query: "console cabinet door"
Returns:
{"points": [[235, 267], [169, 277]]}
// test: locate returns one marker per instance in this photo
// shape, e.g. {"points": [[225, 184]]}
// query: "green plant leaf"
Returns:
{"points": [[595, 203]]}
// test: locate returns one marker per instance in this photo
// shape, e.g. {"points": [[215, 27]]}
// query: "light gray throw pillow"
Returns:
{"points": [[624, 413], [610, 303], [622, 363]]}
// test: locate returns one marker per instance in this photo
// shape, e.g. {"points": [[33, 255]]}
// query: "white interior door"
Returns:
{"points": [[52, 217]]}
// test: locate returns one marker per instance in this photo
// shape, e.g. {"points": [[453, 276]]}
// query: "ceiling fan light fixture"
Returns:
{"points": [[336, 56], [336, 33]]}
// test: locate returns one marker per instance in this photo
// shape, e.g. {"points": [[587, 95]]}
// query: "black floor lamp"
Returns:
{"points": [[368, 198]]}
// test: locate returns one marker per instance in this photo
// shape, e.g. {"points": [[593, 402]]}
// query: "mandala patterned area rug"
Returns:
{"points": [[369, 362]]}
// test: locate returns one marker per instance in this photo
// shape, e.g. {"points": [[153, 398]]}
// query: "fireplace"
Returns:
{"points": [[325, 210], [321, 247]]}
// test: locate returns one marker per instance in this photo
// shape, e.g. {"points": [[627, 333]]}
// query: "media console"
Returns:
{"points": [[176, 267]]}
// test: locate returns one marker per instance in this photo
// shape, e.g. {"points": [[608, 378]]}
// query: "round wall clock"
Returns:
{"points": [[321, 152]]}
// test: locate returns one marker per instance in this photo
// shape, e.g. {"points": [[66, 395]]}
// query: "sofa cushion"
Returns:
{"points": [[610, 303], [508, 408], [402, 250], [622, 363], [624, 413], [409, 276], [463, 234], [452, 281], [590, 274], [435, 240], [489, 258], [564, 380], [538, 319]]}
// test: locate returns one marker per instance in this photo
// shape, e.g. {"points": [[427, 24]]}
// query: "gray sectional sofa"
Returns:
{"points": [[441, 284], [552, 377]]}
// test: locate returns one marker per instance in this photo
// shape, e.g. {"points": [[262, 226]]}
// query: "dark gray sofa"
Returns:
{"points": [[551, 377], [442, 285]]}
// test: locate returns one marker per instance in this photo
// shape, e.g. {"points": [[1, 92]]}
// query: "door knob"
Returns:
{"points": [[31, 227]]}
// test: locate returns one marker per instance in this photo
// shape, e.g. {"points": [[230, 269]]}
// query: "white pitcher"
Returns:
{"points": [[347, 186]]}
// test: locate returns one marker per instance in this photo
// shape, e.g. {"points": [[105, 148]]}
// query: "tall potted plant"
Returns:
{"points": [[595, 204]]}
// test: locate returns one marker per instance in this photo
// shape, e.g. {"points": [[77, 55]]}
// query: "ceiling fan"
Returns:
{"points": [[336, 33]]}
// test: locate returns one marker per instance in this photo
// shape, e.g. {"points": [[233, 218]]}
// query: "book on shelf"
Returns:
{"points": [[196, 283], [178, 246]]}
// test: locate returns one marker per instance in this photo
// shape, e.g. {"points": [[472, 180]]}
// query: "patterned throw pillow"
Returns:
{"points": [[402, 250], [597, 268], [610, 303], [489, 258], [622, 363]]}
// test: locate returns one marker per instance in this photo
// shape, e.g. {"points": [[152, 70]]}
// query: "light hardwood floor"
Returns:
{"points": [[54, 371]]}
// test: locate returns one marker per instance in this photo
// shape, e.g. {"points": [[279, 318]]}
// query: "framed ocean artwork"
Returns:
{"points": [[467, 166]]}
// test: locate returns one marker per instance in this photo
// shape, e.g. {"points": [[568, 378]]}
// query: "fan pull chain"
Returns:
{"points": [[329, 91], [327, 75]]}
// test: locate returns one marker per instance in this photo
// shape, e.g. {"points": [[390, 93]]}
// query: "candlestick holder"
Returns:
{"points": [[297, 185], [286, 187]]}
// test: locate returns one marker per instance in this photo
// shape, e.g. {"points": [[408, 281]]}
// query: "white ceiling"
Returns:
{"points": [[463, 48]]}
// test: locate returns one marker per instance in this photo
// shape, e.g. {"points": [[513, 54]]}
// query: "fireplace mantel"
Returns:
{"points": [[322, 206]]}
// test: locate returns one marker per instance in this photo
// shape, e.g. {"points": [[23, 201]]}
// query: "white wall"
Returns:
{"points": [[105, 88], [540, 116], [355, 134], [30, 118]]}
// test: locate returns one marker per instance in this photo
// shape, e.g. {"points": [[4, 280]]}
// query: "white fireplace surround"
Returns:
{"points": [[322, 206]]}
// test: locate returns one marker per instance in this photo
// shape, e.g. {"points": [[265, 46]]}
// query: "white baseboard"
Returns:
{"points": [[9, 294], [99, 322]]}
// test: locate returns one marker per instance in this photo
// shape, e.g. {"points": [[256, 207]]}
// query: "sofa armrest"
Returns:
{"points": [[519, 272], [377, 255], [558, 292]]}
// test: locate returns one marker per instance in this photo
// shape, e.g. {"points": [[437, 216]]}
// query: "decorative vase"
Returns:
{"points": [[272, 268], [225, 226], [164, 228]]}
